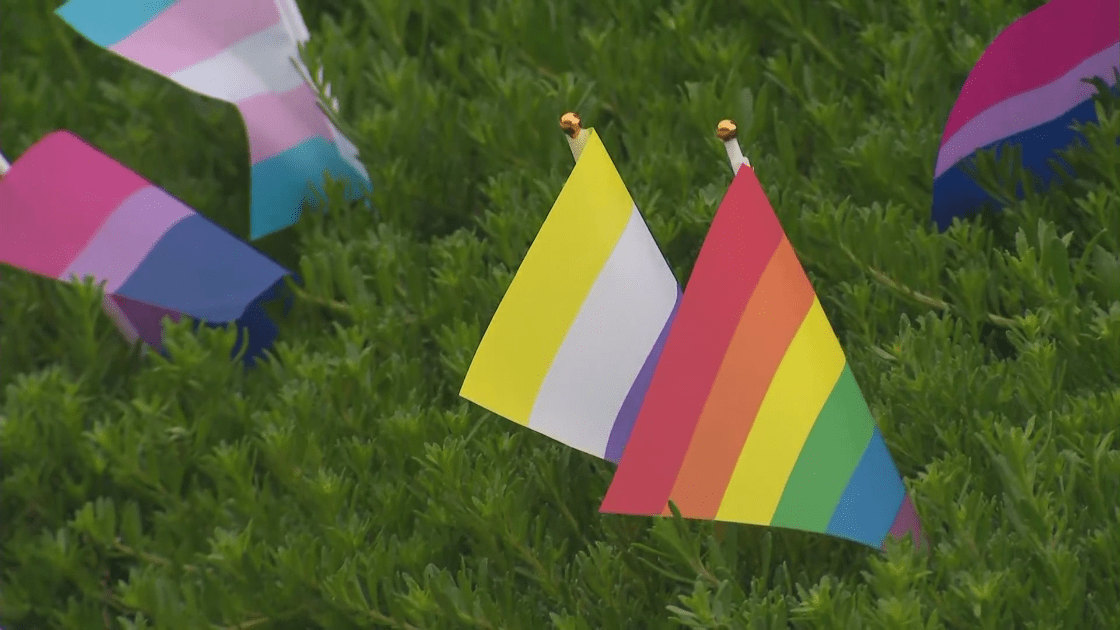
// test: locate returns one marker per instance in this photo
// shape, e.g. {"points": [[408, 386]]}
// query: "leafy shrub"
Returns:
{"points": [[345, 485]]}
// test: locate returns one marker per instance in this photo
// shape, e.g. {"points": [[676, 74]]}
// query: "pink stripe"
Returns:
{"points": [[55, 198], [127, 236], [1028, 110], [191, 31], [278, 122], [1035, 50]]}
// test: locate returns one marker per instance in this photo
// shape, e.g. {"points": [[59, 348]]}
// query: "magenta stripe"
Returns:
{"points": [[55, 199], [1028, 110], [1035, 50], [127, 236], [907, 522], [278, 122], [191, 31]]}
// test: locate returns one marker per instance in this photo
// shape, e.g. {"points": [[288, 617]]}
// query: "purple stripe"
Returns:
{"points": [[907, 522], [127, 236], [628, 413], [146, 320], [1029, 109]]}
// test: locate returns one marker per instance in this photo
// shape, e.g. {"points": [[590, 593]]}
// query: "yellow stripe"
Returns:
{"points": [[805, 378], [545, 296]]}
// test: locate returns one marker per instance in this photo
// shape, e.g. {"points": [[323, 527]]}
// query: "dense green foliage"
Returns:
{"points": [[345, 485]]}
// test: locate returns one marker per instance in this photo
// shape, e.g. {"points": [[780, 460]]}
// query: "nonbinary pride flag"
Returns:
{"points": [[67, 210], [753, 415], [242, 52], [1027, 89], [572, 346]]}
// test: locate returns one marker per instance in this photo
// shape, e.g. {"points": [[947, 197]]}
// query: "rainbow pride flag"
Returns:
{"points": [[1027, 90], [753, 415], [242, 52], [69, 211], [573, 344]]}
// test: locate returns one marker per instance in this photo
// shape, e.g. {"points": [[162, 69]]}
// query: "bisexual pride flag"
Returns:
{"points": [[242, 52], [753, 414], [1027, 90], [572, 347], [68, 211]]}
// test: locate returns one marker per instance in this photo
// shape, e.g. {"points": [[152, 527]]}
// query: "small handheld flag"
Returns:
{"points": [[571, 348], [244, 52], [69, 211], [1027, 89], [753, 414]]}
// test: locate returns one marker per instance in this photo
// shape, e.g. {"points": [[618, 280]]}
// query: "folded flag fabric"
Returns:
{"points": [[69, 211], [572, 346], [1027, 90], [753, 415], [240, 51]]}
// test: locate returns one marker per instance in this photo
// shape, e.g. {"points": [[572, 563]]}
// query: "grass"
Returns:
{"points": [[345, 485]]}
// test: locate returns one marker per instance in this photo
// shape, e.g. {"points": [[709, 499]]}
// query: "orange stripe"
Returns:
{"points": [[768, 324]]}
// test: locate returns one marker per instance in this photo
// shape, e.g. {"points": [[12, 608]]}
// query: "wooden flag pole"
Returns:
{"points": [[572, 125], [728, 131]]}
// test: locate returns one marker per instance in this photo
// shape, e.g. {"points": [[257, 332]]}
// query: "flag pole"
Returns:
{"points": [[5, 166], [572, 125], [728, 132]]}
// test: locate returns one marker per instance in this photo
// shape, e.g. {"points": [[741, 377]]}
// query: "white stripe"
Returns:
{"points": [[293, 20], [260, 63], [612, 335], [347, 150]]}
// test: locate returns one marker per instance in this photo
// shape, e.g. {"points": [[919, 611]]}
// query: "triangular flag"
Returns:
{"points": [[753, 415], [572, 346], [242, 52], [1027, 90], [69, 211]]}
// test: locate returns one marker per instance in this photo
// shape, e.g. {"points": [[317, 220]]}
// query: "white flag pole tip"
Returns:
{"points": [[728, 132], [572, 126], [5, 166]]}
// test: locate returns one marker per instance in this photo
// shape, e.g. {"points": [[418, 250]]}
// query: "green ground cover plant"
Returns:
{"points": [[345, 484]]}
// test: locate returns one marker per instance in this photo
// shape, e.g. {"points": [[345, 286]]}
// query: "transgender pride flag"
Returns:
{"points": [[1027, 89], [242, 52], [69, 211]]}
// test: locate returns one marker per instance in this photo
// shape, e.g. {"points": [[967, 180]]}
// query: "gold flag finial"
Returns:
{"points": [[727, 130], [571, 124]]}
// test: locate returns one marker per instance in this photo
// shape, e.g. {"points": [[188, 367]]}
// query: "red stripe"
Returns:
{"points": [[741, 240]]}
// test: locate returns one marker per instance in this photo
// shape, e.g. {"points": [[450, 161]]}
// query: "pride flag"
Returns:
{"points": [[69, 211], [753, 415], [240, 51], [573, 344], [1027, 90]]}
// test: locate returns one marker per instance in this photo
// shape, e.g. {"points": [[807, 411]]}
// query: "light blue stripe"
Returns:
{"points": [[107, 22], [870, 502], [280, 183]]}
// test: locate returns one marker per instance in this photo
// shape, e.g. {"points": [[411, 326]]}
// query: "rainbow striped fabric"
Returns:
{"points": [[240, 51], [573, 344], [753, 415], [69, 211], [1027, 89]]}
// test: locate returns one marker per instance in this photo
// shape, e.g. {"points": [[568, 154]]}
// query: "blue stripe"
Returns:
{"points": [[870, 502], [280, 183], [956, 194], [202, 271], [106, 22]]}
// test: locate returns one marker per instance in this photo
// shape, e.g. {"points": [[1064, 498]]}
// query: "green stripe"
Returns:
{"points": [[830, 456]]}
